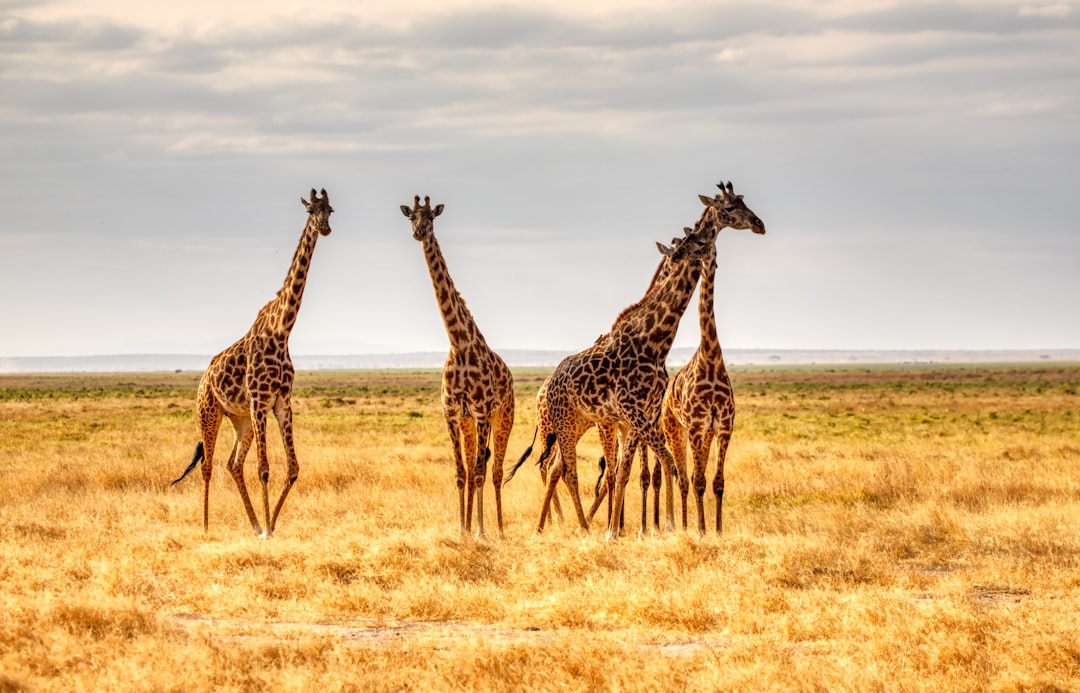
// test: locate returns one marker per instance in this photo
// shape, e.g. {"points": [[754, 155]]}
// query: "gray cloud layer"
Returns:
{"points": [[899, 150]]}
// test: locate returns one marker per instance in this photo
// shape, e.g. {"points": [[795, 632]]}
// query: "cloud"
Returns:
{"points": [[1055, 10], [542, 128]]}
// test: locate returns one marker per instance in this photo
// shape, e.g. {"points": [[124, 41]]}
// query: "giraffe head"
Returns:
{"points": [[695, 244], [319, 211], [730, 210], [422, 217]]}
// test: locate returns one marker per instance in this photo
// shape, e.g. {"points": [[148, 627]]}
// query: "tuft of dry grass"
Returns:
{"points": [[892, 528]]}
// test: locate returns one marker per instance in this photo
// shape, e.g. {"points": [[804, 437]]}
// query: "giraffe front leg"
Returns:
{"points": [[652, 437], [468, 457], [609, 443], [700, 443], [657, 478], [259, 417], [618, 490], [645, 491], [483, 452], [453, 425], [283, 414]]}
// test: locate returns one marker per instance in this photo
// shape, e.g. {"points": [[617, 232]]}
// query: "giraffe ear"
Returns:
{"points": [[437, 211], [664, 250], [406, 211], [307, 205], [707, 201]]}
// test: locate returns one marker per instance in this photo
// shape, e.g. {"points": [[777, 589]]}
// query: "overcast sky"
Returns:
{"points": [[917, 166]]}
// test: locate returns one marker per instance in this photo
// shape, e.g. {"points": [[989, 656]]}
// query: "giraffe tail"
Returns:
{"points": [[549, 443], [600, 479], [198, 456], [513, 470]]}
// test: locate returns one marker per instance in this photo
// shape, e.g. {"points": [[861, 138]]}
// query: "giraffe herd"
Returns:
{"points": [[620, 384]]}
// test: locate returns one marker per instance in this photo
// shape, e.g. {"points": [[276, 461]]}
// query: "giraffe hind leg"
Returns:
{"points": [[504, 424], [244, 435], [210, 414], [601, 491], [722, 442]]}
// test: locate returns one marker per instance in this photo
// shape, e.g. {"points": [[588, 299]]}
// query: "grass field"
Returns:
{"points": [[893, 528]]}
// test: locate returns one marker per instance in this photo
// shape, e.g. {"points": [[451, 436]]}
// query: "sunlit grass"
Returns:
{"points": [[907, 528]]}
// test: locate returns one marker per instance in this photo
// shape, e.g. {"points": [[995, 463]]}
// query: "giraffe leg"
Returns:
{"points": [[617, 449], [675, 437], [609, 442], [700, 443], [645, 491], [259, 415], [622, 476], [569, 467], [210, 413], [651, 436], [468, 459], [504, 423], [555, 498], [545, 464], [245, 433], [283, 414], [453, 425], [722, 441], [483, 435], [601, 491], [555, 473], [657, 477]]}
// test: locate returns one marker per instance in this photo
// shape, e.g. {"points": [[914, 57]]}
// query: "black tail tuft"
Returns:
{"points": [[600, 480], [525, 456], [195, 460], [549, 444]]}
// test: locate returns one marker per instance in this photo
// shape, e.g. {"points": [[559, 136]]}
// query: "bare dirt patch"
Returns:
{"points": [[378, 633]]}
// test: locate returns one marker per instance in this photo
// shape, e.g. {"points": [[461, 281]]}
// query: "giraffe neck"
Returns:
{"points": [[710, 341], [655, 321], [459, 323], [661, 273], [292, 291]]}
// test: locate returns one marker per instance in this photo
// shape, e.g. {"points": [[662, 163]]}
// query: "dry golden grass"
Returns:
{"points": [[885, 529]]}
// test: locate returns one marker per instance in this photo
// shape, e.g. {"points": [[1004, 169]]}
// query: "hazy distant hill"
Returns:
{"points": [[524, 358]]}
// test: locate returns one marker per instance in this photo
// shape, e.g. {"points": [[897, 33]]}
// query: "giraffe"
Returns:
{"points": [[477, 387], [622, 376], [729, 212], [699, 402], [607, 430], [254, 377]]}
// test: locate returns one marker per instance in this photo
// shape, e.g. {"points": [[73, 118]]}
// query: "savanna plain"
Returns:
{"points": [[885, 528]]}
